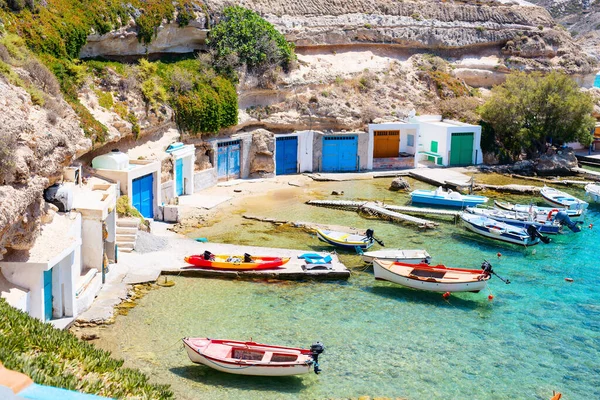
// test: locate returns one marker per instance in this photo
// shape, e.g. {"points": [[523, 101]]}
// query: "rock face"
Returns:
{"points": [[553, 163], [44, 145], [170, 38], [261, 154]]}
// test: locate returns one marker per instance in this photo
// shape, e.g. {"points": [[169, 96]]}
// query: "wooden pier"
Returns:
{"points": [[421, 210], [383, 213]]}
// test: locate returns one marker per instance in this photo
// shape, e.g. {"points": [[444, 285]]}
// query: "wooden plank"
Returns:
{"points": [[395, 216]]}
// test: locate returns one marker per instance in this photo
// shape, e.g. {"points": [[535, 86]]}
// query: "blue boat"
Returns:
{"points": [[521, 220], [440, 197]]}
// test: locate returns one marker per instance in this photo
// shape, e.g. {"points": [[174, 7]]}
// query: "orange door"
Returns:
{"points": [[386, 144]]}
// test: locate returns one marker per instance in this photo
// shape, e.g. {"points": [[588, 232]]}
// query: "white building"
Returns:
{"points": [[294, 152], [447, 142], [43, 281], [140, 180], [390, 143], [183, 158]]}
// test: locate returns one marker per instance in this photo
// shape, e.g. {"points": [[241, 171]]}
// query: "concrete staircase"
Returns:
{"points": [[127, 229]]}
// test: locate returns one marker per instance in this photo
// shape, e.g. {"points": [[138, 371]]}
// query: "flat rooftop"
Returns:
{"points": [[54, 240]]}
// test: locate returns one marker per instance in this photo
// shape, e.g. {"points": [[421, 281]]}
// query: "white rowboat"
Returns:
{"points": [[405, 256]]}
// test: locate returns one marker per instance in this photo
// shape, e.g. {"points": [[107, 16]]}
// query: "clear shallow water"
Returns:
{"points": [[539, 334]]}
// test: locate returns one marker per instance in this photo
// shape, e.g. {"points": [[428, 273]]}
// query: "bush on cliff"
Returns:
{"points": [[57, 358], [242, 37], [530, 110]]}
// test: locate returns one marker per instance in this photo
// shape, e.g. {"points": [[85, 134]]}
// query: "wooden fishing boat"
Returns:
{"points": [[346, 240], [593, 190], [438, 278], [559, 198], [250, 358], [534, 209], [542, 222], [235, 262], [405, 256], [440, 197], [498, 230]]}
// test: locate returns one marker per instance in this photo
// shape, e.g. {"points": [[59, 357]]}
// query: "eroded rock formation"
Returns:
{"points": [[261, 154]]}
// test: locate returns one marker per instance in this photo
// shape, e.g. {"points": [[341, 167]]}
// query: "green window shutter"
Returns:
{"points": [[434, 146]]}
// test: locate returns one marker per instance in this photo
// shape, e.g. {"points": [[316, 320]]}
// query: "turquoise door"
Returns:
{"points": [[340, 153], [142, 195], [179, 176], [48, 295], [228, 160], [286, 155]]}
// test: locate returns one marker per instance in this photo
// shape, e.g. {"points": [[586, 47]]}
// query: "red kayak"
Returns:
{"points": [[234, 262]]}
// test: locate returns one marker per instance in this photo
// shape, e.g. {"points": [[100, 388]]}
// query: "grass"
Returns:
{"points": [[57, 358]]}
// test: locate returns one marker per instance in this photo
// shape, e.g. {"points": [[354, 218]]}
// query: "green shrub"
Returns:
{"points": [[105, 99], [243, 37], [57, 358]]}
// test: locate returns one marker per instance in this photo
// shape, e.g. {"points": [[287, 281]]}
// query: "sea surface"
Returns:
{"points": [[538, 334]]}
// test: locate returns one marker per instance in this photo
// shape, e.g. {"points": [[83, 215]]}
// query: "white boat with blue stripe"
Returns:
{"points": [[499, 230], [593, 190], [440, 197], [346, 240], [542, 222], [559, 198]]}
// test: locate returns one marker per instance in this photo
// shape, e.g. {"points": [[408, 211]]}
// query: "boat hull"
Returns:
{"points": [[446, 202], [573, 214], [245, 367], [382, 273], [351, 242], [593, 191], [220, 262], [499, 233], [558, 198], [405, 256], [543, 227]]}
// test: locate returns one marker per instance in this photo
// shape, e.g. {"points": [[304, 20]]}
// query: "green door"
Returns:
{"points": [[461, 148]]}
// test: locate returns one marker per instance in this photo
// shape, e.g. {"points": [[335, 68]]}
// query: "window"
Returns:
{"points": [[410, 140]]}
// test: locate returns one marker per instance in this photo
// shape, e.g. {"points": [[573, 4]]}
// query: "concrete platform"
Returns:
{"points": [[441, 176], [202, 200]]}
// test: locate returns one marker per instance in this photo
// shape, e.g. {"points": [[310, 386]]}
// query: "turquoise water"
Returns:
{"points": [[538, 334]]}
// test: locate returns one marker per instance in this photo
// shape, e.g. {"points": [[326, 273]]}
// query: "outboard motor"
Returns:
{"points": [[248, 258], [486, 267], [563, 218], [316, 349], [369, 234], [208, 255], [533, 233]]}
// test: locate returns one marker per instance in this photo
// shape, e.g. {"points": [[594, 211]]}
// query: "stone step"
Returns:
{"points": [[128, 222], [126, 231], [126, 238], [125, 248]]}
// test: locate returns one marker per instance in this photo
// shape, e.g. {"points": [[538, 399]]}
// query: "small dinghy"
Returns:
{"points": [[347, 240], [542, 223], [249, 358], [405, 256], [235, 262], [440, 197], [500, 231], [593, 190], [534, 209], [438, 278], [558, 198]]}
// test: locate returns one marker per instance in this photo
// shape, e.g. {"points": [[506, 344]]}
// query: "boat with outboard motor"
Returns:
{"points": [[440, 197], [523, 220], [405, 256], [535, 209], [501, 231], [348, 240], [434, 278], [593, 190], [559, 198], [250, 358], [235, 262]]}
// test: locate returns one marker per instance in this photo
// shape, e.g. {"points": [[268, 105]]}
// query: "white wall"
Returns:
{"points": [[429, 132], [404, 128], [92, 244]]}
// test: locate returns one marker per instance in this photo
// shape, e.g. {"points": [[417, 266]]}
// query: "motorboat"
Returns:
{"points": [[449, 198]]}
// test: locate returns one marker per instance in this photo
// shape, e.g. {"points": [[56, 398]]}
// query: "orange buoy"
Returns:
{"points": [[446, 295], [590, 226], [569, 279], [490, 297]]}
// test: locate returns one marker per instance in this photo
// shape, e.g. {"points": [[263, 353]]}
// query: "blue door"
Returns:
{"points": [[142, 195], [286, 155], [340, 153], [228, 160], [48, 295], [179, 176]]}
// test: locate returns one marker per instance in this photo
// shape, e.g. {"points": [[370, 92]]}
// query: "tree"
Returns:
{"points": [[243, 37], [530, 110]]}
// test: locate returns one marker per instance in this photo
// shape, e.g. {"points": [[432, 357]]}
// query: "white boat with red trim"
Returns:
{"points": [[434, 278], [250, 358]]}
